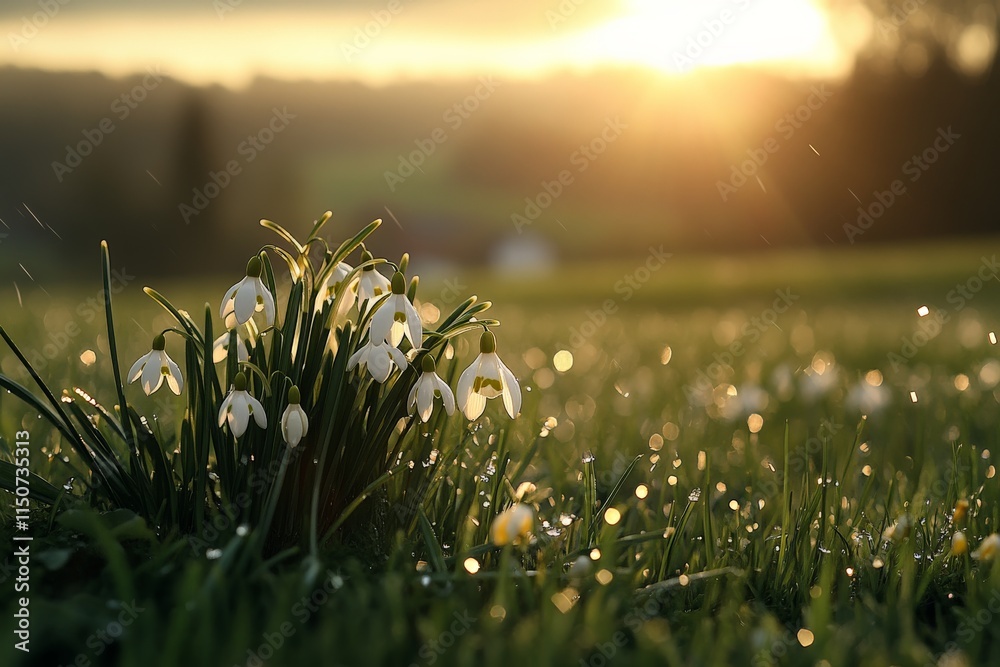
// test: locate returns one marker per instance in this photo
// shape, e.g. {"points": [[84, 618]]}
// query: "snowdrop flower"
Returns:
{"points": [[154, 366], [512, 525], [900, 530], [328, 289], [294, 422], [378, 358], [961, 510], [427, 387], [239, 406], [220, 349], [248, 296], [488, 377], [988, 548], [959, 543], [372, 284], [396, 317]]}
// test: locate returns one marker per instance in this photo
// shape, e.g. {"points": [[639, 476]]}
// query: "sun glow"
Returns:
{"points": [[681, 37], [437, 41]]}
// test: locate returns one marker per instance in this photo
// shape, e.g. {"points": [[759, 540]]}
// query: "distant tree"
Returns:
{"points": [[912, 33], [192, 164], [927, 38]]}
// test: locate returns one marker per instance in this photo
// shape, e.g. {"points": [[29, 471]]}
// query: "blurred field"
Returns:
{"points": [[696, 371]]}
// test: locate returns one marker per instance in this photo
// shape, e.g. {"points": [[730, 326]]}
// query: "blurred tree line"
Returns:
{"points": [[658, 182]]}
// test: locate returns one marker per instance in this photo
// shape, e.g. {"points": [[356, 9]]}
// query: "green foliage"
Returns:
{"points": [[358, 448], [727, 545]]}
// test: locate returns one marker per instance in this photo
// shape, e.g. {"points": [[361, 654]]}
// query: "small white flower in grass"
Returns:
{"points": [[396, 317], [959, 544], [512, 525], [900, 530], [248, 296], [155, 366], [378, 358], [328, 289], [427, 387], [488, 377], [372, 284], [239, 406], [988, 549], [220, 349], [294, 422]]}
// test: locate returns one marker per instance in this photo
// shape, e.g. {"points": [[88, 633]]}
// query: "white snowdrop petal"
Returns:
{"points": [[136, 370], [227, 301], [268, 306], [465, 382], [151, 376], [257, 410], [246, 302], [511, 392], [447, 397]]}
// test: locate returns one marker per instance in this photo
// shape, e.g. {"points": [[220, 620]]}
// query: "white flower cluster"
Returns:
{"points": [[392, 319]]}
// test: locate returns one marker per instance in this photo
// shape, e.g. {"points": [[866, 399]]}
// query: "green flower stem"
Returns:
{"points": [[388, 475], [272, 502]]}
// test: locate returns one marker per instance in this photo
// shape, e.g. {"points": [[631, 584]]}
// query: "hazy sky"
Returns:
{"points": [[231, 41]]}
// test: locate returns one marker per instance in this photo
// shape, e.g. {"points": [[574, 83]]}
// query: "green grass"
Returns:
{"points": [[732, 547]]}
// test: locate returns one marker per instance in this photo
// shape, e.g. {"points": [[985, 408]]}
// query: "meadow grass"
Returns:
{"points": [[697, 502]]}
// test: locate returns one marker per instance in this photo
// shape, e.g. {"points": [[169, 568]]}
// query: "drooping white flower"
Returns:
{"points": [[378, 358], [428, 386], [488, 377], [396, 318], [961, 511], [900, 530], [372, 284], [220, 348], [239, 406], [988, 549], [248, 296], [512, 525], [294, 421], [959, 544], [328, 288], [155, 366]]}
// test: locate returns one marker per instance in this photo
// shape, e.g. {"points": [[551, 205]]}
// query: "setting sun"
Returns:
{"points": [[677, 37]]}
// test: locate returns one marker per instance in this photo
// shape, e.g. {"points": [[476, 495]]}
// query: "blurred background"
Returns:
{"points": [[517, 135]]}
